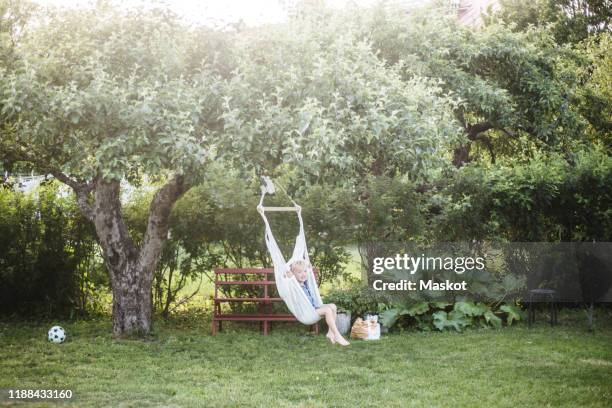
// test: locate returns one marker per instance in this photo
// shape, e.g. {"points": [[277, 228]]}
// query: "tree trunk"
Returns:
{"points": [[367, 259], [132, 303], [131, 268], [461, 155]]}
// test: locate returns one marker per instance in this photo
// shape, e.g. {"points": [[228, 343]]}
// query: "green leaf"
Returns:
{"points": [[513, 312], [492, 319], [459, 320], [416, 309], [439, 305], [471, 309], [389, 317], [440, 320], [454, 319]]}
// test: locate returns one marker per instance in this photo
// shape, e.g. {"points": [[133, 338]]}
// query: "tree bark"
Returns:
{"points": [[131, 268], [461, 154], [132, 303], [367, 252]]}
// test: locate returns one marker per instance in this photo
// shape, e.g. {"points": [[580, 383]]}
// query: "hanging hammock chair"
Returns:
{"points": [[288, 287]]}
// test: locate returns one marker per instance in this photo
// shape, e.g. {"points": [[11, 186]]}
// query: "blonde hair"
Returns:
{"points": [[298, 265]]}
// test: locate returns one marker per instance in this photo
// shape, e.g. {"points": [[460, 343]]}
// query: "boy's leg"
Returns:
{"points": [[333, 308], [327, 306], [330, 319]]}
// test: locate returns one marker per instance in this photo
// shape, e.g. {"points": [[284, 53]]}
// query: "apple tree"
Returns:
{"points": [[102, 96]]}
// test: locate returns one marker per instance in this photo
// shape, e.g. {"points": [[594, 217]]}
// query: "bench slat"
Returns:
{"points": [[280, 208], [254, 317], [243, 271], [258, 282], [249, 299]]}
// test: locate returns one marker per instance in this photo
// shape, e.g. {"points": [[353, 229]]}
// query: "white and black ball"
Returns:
{"points": [[57, 334]]}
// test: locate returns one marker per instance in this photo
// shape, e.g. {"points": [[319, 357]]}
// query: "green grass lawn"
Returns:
{"points": [[182, 365]]}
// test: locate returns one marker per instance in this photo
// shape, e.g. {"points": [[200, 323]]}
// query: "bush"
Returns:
{"points": [[448, 316], [48, 259], [551, 198], [358, 299], [487, 302]]}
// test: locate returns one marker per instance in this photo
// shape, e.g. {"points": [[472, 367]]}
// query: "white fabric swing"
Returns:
{"points": [[288, 287]]}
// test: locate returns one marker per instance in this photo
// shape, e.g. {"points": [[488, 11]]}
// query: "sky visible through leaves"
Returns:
{"points": [[212, 12]]}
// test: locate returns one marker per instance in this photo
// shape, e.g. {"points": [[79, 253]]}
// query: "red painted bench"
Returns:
{"points": [[265, 315]]}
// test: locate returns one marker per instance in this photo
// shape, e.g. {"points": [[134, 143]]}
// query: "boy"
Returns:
{"points": [[299, 269]]}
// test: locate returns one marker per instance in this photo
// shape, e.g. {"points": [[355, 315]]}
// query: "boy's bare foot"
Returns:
{"points": [[342, 341]]}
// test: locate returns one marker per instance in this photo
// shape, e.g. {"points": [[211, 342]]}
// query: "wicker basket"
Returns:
{"points": [[365, 329]]}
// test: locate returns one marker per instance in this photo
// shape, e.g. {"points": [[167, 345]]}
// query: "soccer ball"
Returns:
{"points": [[57, 334]]}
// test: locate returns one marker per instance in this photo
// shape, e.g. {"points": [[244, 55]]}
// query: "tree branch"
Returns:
{"points": [[81, 189], [509, 133], [475, 129], [118, 247], [461, 154], [158, 223], [487, 141]]}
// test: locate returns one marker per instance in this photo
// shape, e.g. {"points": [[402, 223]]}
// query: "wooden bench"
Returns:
{"points": [[265, 315]]}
